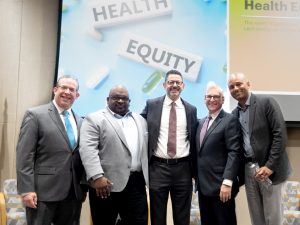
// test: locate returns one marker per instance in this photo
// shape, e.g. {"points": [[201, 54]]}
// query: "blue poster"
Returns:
{"points": [[134, 42]]}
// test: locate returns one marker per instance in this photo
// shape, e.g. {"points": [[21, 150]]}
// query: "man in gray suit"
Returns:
{"points": [[49, 168], [171, 151], [219, 150], [113, 150], [264, 135]]}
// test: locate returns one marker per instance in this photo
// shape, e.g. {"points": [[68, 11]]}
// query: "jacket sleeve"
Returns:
{"points": [[26, 151]]}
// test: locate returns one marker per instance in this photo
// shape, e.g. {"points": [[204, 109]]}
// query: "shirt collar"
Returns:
{"points": [[246, 104], [118, 116], [168, 101], [214, 115], [61, 110]]}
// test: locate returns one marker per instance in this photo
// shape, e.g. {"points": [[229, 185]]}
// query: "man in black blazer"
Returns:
{"points": [[170, 169], [264, 134], [48, 164], [219, 148]]}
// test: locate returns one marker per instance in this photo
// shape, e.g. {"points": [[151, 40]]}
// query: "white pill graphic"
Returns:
{"points": [[94, 33], [94, 80]]}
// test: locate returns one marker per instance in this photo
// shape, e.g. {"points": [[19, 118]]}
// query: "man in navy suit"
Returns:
{"points": [[264, 135], [170, 173], [219, 148], [49, 168]]}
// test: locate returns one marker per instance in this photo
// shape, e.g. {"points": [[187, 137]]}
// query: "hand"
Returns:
{"points": [[30, 200], [263, 173], [225, 193], [103, 187]]}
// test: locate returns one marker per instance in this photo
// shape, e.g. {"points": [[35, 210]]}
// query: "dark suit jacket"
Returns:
{"points": [[45, 163], [152, 113], [268, 136], [218, 157]]}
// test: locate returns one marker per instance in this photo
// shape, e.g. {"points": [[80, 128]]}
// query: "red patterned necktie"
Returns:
{"points": [[171, 146], [204, 129]]}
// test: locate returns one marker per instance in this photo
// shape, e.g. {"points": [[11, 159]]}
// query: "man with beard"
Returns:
{"points": [[113, 149], [172, 124], [49, 169]]}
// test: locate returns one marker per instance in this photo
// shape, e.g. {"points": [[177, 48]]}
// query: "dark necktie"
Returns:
{"points": [[171, 146], [204, 129], [69, 129]]}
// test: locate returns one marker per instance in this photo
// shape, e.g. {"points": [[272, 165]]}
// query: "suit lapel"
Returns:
{"points": [[201, 122], [213, 126], [118, 129], [139, 128], [188, 118], [156, 115], [57, 121], [78, 121], [235, 112], [252, 110]]}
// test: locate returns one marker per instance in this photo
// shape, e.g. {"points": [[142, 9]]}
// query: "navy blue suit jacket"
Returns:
{"points": [[219, 156]]}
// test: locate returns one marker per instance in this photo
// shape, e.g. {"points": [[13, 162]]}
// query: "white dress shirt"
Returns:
{"points": [[131, 134], [182, 142], [71, 118]]}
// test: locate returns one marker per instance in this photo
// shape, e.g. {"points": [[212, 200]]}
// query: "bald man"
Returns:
{"points": [[113, 149], [264, 135]]}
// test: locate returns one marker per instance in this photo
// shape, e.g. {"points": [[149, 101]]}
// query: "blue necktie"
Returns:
{"points": [[69, 129]]}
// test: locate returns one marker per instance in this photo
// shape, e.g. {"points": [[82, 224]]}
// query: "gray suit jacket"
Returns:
{"points": [[219, 156], [268, 136], [45, 162], [103, 148]]}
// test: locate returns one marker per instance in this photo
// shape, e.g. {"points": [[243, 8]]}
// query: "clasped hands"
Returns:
{"points": [[263, 173], [102, 186]]}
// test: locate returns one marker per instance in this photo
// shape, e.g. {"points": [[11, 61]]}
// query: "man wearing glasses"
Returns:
{"points": [[172, 124], [219, 148], [49, 169], [113, 149]]}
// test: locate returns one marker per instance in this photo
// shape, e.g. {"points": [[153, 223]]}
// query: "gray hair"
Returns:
{"points": [[213, 85]]}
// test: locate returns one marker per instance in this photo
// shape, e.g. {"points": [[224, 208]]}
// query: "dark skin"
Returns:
{"points": [[118, 102]]}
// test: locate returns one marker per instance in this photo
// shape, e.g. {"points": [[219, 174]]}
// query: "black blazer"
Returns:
{"points": [[152, 113], [268, 136], [218, 157]]}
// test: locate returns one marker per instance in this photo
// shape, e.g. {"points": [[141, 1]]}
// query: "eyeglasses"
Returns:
{"points": [[65, 88], [118, 98], [172, 82], [215, 97]]}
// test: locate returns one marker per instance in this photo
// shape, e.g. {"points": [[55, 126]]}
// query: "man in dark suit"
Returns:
{"points": [[264, 135], [170, 151], [113, 148], [48, 164], [219, 148]]}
